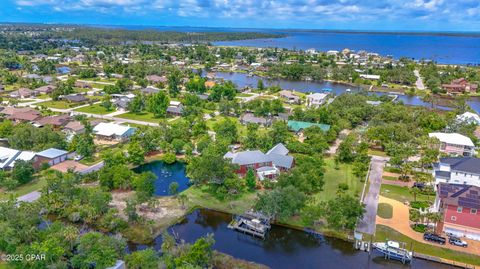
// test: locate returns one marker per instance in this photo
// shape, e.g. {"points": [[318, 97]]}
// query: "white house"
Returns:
{"points": [[469, 117], [8, 157], [457, 170], [113, 131], [316, 99]]}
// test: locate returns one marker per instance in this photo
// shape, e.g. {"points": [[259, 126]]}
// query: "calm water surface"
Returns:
{"points": [[284, 248], [243, 80], [166, 174]]}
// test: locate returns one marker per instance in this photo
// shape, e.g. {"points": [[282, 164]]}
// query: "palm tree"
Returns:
{"points": [[435, 217], [414, 191], [70, 233], [415, 216]]}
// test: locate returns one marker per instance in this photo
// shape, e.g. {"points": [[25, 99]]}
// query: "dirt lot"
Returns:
{"points": [[166, 213]]}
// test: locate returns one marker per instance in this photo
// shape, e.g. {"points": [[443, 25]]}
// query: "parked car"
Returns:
{"points": [[78, 158], [434, 238], [419, 185], [457, 242]]}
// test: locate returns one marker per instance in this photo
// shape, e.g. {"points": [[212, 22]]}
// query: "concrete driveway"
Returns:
{"points": [[367, 223]]}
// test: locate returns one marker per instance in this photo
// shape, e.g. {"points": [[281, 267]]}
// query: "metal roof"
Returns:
{"points": [[52, 153]]}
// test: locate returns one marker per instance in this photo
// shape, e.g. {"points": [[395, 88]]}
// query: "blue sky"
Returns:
{"points": [[419, 15]]}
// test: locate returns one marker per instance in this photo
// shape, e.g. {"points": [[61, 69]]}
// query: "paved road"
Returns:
{"points": [[367, 223], [419, 82], [29, 197]]}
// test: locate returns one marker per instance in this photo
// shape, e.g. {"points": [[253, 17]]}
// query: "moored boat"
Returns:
{"points": [[393, 250]]}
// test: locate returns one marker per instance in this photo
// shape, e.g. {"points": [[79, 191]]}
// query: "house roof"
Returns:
{"points": [[75, 98], [45, 89], [150, 90], [459, 195], [52, 153], [285, 161], [462, 164], [7, 155], [453, 138], [75, 126], [469, 117], [251, 118], [301, 125], [175, 109], [57, 120], [24, 155], [10, 110], [110, 128], [278, 149], [317, 96], [27, 115]]}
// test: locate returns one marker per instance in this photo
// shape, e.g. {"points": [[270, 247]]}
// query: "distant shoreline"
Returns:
{"points": [[247, 29]]}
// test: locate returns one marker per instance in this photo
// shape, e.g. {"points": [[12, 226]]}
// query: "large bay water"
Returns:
{"points": [[284, 248]]}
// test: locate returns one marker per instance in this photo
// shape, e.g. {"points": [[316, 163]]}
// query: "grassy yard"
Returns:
{"points": [[60, 104], [402, 194], [200, 197], [144, 116], [242, 129], [385, 211], [94, 109], [376, 152], [24, 189], [333, 177], [383, 233]]}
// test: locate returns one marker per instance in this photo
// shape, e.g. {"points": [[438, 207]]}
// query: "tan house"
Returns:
{"points": [[460, 85]]}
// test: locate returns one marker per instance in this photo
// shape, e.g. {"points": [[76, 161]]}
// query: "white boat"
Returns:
{"points": [[348, 90], [392, 250]]}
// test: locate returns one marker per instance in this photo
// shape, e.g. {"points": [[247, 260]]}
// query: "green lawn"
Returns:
{"points": [[94, 109], [244, 94], [60, 104], [5, 265], [198, 197], [385, 211], [402, 194], [385, 233], [389, 178], [144, 116], [242, 129], [24, 189], [376, 152], [333, 177]]}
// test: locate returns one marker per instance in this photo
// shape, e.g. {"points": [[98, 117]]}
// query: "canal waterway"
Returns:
{"points": [[284, 248], [244, 80]]}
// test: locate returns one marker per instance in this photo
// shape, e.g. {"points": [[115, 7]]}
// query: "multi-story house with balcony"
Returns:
{"points": [[457, 170], [455, 144]]}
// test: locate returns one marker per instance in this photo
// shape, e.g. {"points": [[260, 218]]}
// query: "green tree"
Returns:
{"points": [[144, 185], [158, 104], [106, 102], [136, 153], [174, 80], [250, 179], [342, 212], [22, 171], [143, 259], [101, 250], [281, 203], [173, 188]]}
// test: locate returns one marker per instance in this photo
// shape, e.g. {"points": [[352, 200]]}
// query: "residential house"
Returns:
{"points": [[251, 118], [149, 90], [266, 165], [8, 157], [28, 115], [75, 98], [45, 89], [460, 85], [57, 121], [113, 131], [52, 156], [299, 126], [455, 144], [290, 97], [157, 79], [74, 127], [457, 170], [459, 205], [82, 85], [316, 99], [175, 108], [23, 93], [469, 117], [122, 103]]}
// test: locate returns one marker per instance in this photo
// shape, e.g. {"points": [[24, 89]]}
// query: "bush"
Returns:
{"points": [[343, 186], [421, 228], [169, 158], [419, 204]]}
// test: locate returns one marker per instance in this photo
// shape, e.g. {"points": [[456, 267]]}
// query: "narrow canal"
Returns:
{"points": [[243, 80], [284, 248]]}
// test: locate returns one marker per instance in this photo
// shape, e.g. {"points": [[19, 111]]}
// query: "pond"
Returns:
{"points": [[283, 248], [166, 174], [244, 80]]}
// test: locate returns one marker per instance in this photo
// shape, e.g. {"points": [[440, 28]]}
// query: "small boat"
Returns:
{"points": [[348, 90], [392, 250], [327, 90]]}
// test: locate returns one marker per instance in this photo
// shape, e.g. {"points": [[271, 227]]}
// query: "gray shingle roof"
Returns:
{"points": [[463, 164], [248, 157], [277, 155], [279, 149], [284, 161]]}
